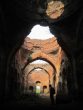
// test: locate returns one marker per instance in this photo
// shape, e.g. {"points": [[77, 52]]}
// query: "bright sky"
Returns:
{"points": [[40, 32], [39, 62], [38, 69]]}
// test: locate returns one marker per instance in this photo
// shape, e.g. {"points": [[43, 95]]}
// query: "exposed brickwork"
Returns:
{"points": [[49, 50], [44, 75]]}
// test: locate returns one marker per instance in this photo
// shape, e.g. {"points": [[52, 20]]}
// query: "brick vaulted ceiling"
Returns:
{"points": [[47, 50]]}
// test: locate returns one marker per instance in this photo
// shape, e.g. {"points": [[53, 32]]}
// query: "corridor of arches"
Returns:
{"points": [[39, 62], [41, 44]]}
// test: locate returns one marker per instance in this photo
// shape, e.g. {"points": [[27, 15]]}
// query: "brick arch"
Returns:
{"points": [[40, 55], [36, 76], [47, 68], [41, 58], [49, 61], [40, 68]]}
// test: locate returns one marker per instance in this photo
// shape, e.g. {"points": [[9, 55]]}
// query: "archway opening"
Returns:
{"points": [[31, 88], [38, 87], [41, 71], [45, 89], [38, 49]]}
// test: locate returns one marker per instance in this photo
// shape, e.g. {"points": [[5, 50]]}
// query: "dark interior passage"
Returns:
{"points": [[61, 52]]}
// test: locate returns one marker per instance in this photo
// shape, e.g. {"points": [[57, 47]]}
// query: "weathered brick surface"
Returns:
{"points": [[49, 50]]}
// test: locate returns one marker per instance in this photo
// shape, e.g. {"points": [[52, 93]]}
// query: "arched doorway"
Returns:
{"points": [[45, 89], [38, 87], [42, 72], [31, 88]]}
